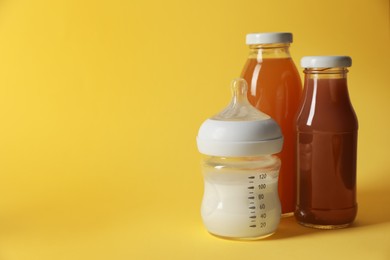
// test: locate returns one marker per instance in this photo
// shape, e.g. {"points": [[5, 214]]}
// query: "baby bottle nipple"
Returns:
{"points": [[239, 108], [240, 171]]}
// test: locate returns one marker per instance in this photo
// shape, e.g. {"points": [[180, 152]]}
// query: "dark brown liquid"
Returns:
{"points": [[326, 154], [275, 88]]}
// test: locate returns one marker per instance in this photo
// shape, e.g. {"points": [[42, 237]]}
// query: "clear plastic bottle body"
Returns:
{"points": [[275, 88], [240, 198], [327, 129]]}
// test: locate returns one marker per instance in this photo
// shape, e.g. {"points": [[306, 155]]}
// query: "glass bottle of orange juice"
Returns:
{"points": [[274, 87]]}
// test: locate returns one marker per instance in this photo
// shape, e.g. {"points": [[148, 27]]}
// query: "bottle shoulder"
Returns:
{"points": [[342, 120], [275, 72], [326, 108]]}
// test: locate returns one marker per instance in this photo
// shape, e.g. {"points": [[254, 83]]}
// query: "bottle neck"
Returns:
{"points": [[274, 50], [326, 85], [326, 106]]}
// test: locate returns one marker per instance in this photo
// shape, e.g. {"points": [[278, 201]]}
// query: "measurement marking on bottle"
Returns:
{"points": [[253, 203], [263, 176]]}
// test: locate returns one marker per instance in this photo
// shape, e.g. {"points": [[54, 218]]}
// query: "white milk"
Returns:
{"points": [[241, 204]]}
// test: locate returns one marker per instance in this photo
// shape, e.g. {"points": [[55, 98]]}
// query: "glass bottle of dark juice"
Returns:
{"points": [[275, 88], [327, 130]]}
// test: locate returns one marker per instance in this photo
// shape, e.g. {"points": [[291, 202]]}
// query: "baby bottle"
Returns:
{"points": [[240, 170]]}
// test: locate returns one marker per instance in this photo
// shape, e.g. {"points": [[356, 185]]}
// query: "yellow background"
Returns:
{"points": [[100, 104]]}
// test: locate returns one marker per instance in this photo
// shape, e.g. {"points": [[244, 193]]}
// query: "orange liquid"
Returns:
{"points": [[275, 88]]}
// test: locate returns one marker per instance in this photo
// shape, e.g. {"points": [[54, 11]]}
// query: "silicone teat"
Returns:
{"points": [[239, 108]]}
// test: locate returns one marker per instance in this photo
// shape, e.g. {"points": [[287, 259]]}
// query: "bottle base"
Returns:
{"points": [[310, 225], [242, 238], [325, 218]]}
